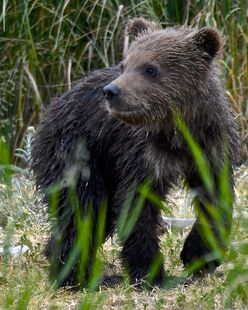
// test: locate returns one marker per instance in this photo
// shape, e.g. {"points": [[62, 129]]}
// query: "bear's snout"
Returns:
{"points": [[111, 91]]}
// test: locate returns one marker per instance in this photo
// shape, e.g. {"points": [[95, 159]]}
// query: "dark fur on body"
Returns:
{"points": [[109, 147]]}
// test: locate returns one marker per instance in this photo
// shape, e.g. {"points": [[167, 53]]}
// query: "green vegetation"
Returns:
{"points": [[44, 47], [24, 282]]}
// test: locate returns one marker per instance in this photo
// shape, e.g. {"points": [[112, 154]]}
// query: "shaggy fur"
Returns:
{"points": [[103, 147]]}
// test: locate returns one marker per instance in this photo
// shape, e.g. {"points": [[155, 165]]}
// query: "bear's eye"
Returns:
{"points": [[151, 71]]}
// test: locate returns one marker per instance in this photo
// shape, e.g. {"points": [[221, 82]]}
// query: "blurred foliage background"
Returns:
{"points": [[46, 44]]}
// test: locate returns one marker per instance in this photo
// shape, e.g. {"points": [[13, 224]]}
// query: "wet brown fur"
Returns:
{"points": [[112, 145]]}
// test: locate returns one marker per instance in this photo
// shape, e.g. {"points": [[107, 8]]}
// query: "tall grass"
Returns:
{"points": [[24, 279], [44, 45]]}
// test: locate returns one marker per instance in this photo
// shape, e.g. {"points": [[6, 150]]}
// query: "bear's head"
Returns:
{"points": [[163, 70]]}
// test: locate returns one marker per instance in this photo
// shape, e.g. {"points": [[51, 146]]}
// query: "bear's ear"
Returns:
{"points": [[140, 25], [209, 41]]}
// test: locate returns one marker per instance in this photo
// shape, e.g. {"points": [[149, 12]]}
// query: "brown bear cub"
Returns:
{"points": [[114, 130]]}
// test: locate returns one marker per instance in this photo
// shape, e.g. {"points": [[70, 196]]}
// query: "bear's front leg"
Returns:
{"points": [[141, 250], [205, 246], [198, 253]]}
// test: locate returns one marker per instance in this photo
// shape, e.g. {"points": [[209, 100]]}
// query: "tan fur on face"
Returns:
{"points": [[183, 57]]}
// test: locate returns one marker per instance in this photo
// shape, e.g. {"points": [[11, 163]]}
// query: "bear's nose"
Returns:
{"points": [[110, 91]]}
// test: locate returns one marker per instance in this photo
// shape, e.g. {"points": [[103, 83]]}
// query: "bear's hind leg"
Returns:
{"points": [[76, 235], [61, 253]]}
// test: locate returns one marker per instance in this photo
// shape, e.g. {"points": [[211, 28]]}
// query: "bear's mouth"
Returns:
{"points": [[135, 118], [117, 105], [131, 117]]}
